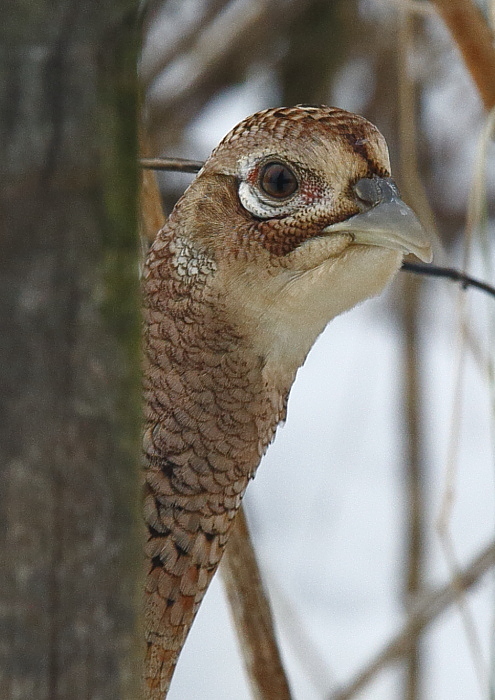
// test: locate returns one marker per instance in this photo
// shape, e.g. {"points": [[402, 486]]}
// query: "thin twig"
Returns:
{"points": [[421, 615], [450, 494], [178, 165], [449, 273]]}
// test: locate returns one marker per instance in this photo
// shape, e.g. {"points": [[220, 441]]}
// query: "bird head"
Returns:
{"points": [[299, 216]]}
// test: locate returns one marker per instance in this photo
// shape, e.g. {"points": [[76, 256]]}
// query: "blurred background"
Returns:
{"points": [[379, 488]]}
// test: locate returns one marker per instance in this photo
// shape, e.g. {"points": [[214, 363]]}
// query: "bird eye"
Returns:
{"points": [[277, 180]]}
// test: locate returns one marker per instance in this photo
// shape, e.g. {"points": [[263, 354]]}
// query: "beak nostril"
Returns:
{"points": [[373, 190], [367, 190]]}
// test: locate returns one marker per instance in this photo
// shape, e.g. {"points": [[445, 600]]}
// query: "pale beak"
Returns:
{"points": [[387, 222]]}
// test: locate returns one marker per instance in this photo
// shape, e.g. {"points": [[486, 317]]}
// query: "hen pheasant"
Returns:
{"points": [[292, 220]]}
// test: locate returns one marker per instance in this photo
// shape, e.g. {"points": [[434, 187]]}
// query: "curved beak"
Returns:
{"points": [[388, 223]]}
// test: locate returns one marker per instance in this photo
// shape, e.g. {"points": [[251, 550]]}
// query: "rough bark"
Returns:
{"points": [[69, 329]]}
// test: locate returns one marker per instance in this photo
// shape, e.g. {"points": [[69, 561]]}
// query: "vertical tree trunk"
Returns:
{"points": [[69, 338]]}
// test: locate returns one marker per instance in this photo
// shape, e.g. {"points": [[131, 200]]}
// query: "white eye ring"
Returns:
{"points": [[259, 202]]}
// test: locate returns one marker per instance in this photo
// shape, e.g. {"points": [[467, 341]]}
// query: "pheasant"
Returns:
{"points": [[293, 219]]}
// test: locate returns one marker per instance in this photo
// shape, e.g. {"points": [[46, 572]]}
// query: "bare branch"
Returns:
{"points": [[449, 273], [426, 610], [179, 165], [252, 615]]}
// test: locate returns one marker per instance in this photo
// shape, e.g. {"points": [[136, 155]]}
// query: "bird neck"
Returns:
{"points": [[207, 397]]}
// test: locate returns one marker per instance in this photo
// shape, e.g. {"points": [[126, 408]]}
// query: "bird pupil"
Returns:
{"points": [[278, 181]]}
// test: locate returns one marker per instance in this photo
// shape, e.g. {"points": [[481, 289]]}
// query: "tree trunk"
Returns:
{"points": [[69, 338]]}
